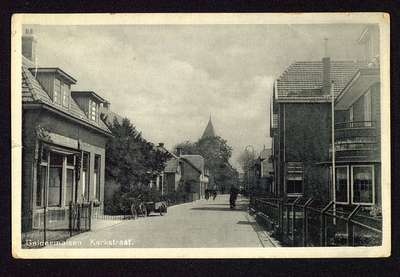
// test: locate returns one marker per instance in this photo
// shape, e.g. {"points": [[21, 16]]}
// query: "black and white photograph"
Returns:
{"points": [[201, 135]]}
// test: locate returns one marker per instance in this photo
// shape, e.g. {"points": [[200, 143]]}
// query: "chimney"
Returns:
{"points": [[161, 144], [29, 45], [178, 152], [107, 105], [326, 75]]}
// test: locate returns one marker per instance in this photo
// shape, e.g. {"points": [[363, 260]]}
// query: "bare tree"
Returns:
{"points": [[246, 160]]}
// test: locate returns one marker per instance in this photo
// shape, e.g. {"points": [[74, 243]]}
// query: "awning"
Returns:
{"points": [[61, 150]]}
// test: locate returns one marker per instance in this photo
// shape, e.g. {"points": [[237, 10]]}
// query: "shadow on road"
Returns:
{"points": [[237, 209], [245, 223]]}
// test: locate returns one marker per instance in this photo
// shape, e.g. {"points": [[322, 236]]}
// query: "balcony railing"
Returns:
{"points": [[354, 124], [356, 139]]}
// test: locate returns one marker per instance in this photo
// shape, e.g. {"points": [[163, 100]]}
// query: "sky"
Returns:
{"points": [[169, 79]]}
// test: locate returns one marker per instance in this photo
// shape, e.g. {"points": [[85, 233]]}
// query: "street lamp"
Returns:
{"points": [[248, 171]]}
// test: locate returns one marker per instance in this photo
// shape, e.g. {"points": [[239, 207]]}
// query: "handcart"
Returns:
{"points": [[156, 207]]}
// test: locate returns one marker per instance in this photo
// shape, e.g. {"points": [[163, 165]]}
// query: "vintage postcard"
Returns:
{"points": [[201, 135]]}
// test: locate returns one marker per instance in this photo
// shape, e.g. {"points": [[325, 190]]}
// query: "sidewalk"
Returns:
{"points": [[100, 224]]}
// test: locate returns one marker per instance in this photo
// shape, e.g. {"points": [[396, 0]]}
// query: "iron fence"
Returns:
{"points": [[303, 222], [48, 226]]}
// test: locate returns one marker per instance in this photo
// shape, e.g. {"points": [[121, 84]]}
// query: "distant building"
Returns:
{"points": [[172, 174], [209, 131], [107, 115]]}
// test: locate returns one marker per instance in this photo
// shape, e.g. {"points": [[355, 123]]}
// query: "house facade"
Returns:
{"points": [[63, 141], [358, 132], [301, 129], [301, 125], [172, 174], [193, 169]]}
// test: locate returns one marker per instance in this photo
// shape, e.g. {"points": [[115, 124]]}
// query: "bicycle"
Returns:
{"points": [[138, 208]]}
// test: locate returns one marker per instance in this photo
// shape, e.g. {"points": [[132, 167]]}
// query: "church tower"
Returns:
{"points": [[209, 131]]}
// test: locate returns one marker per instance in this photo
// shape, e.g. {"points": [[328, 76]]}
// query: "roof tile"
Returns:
{"points": [[33, 92], [305, 78]]}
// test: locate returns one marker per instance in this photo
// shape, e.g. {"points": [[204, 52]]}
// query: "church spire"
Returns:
{"points": [[209, 131]]}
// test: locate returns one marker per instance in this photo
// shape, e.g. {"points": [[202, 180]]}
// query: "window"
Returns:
{"points": [[351, 116], [294, 181], [60, 181], [41, 183], [96, 177], [65, 95], [57, 91], [367, 108], [94, 110], [85, 176], [275, 121], [363, 185], [342, 185], [55, 179], [360, 180]]}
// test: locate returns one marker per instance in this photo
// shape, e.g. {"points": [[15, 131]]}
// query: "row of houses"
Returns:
{"points": [[64, 135], [305, 146]]}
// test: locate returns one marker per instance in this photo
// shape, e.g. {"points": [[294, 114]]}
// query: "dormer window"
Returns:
{"points": [[57, 91], [89, 102], [56, 83], [61, 93], [94, 110], [65, 95]]}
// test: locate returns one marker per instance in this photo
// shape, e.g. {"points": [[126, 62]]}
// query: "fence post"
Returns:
{"points": [[70, 219], [90, 215], [323, 224], [305, 222], [350, 230], [294, 219], [280, 203]]}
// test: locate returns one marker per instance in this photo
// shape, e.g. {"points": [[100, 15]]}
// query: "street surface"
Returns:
{"points": [[200, 224]]}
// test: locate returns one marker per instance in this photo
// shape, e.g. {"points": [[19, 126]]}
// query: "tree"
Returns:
{"points": [[246, 160], [216, 153], [130, 159]]}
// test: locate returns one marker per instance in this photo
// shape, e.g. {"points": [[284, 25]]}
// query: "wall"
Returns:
{"points": [[59, 126], [305, 137], [307, 131]]}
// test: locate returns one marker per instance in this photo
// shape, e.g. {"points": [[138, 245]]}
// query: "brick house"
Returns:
{"points": [[301, 125], [358, 131], [197, 162], [172, 174], [63, 141]]}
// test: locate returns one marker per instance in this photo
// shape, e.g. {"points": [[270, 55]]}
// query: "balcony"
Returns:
{"points": [[356, 140]]}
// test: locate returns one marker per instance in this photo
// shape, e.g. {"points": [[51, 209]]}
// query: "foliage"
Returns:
{"points": [[42, 133], [216, 153], [122, 201], [130, 159], [187, 185], [246, 160]]}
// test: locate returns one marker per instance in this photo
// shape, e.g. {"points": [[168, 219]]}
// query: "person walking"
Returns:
{"points": [[233, 197], [207, 194], [214, 194]]}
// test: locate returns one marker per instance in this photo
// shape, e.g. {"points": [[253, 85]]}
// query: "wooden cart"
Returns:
{"points": [[156, 207]]}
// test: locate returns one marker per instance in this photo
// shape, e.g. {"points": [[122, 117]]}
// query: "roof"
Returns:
{"points": [[34, 93], [172, 165], [88, 94], [190, 159], [195, 160], [304, 79], [209, 131], [109, 116]]}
